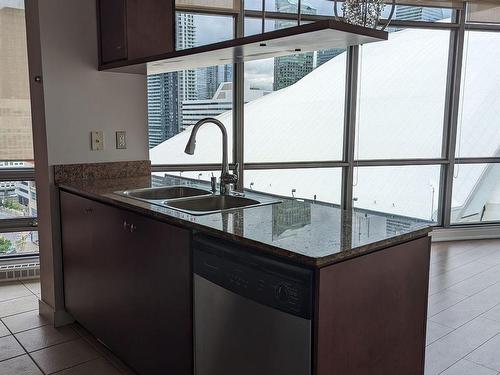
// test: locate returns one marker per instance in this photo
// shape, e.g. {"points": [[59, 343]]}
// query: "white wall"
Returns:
{"points": [[73, 100], [78, 98]]}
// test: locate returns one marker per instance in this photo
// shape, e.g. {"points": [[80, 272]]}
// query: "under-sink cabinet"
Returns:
{"points": [[127, 279]]}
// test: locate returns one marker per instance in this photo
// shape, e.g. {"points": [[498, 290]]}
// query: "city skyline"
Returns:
{"points": [[167, 92]]}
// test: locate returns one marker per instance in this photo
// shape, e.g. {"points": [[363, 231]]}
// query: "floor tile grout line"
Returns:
{"points": [[477, 347], [48, 346], [108, 357], [479, 364], [449, 307], [458, 282], [452, 285], [29, 329], [469, 321], [16, 356], [27, 287], [485, 270], [17, 313], [482, 290], [73, 366], [25, 351], [51, 346], [14, 298], [105, 356], [457, 255], [430, 316], [465, 264]]}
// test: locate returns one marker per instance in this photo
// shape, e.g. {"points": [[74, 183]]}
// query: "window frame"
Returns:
{"points": [[457, 27], [21, 224]]}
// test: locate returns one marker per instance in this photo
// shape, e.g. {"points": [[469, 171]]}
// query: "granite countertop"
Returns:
{"points": [[306, 232]]}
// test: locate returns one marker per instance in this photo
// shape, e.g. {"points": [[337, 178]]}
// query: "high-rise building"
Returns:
{"points": [[209, 80], [227, 73], [326, 55], [290, 69], [167, 91], [220, 102], [163, 107], [412, 13], [186, 38], [15, 109]]}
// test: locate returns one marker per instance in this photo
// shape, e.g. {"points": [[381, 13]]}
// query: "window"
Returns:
{"points": [[293, 112], [17, 189], [17, 199], [410, 191], [315, 184], [414, 13], [402, 95], [194, 29], [18, 243], [478, 133], [476, 193], [476, 183], [314, 7], [177, 100], [294, 121]]}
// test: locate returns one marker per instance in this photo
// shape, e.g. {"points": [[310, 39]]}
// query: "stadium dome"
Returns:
{"points": [[401, 113]]}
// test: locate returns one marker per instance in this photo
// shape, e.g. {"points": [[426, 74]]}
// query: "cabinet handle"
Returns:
{"points": [[129, 227]]}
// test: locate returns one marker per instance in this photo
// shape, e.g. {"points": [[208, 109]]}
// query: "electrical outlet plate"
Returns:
{"points": [[121, 140], [97, 141]]}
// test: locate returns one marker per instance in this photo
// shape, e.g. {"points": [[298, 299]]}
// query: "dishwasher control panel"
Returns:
{"points": [[262, 279]]}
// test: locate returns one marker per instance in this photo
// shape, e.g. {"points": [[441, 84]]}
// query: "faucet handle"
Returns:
{"points": [[236, 171], [213, 183]]}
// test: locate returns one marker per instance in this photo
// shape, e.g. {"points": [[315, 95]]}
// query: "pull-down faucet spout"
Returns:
{"points": [[226, 178]]}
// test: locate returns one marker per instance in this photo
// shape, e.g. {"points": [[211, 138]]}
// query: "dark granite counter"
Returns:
{"points": [[310, 233]]}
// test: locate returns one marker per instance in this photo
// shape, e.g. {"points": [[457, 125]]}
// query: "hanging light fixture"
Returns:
{"points": [[364, 13]]}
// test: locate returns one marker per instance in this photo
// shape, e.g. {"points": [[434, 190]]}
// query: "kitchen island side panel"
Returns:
{"points": [[371, 313]]}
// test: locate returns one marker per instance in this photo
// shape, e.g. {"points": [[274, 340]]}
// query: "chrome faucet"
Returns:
{"points": [[226, 178]]}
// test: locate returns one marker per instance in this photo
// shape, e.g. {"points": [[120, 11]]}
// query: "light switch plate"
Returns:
{"points": [[121, 140], [97, 141]]}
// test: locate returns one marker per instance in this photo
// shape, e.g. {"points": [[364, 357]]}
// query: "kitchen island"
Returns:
{"points": [[369, 281]]}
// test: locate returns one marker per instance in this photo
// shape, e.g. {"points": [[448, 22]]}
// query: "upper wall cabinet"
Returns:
{"points": [[134, 29], [138, 36]]}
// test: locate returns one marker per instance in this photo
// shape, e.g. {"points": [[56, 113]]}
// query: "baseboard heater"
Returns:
{"points": [[19, 271]]}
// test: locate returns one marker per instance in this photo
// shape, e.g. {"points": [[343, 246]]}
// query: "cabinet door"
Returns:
{"points": [[127, 279], [88, 260], [112, 21], [152, 297], [150, 27]]}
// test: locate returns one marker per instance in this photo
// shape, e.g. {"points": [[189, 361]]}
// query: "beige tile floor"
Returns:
{"points": [[30, 346], [463, 330]]}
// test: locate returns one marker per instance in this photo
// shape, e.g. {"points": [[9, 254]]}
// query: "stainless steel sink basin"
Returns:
{"points": [[214, 203], [165, 193]]}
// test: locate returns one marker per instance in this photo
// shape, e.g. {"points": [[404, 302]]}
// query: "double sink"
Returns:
{"points": [[194, 201]]}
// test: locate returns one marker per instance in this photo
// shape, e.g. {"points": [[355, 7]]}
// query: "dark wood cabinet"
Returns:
{"points": [[112, 21], [127, 279], [134, 29], [371, 312]]}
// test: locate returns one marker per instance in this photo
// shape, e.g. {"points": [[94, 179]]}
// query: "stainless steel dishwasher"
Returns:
{"points": [[252, 314]]}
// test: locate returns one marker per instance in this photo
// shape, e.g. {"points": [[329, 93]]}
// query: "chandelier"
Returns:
{"points": [[364, 13]]}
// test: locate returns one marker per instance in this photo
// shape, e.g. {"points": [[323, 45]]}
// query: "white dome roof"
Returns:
{"points": [[401, 115]]}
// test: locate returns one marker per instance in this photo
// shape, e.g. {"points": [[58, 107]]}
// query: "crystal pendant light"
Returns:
{"points": [[364, 13]]}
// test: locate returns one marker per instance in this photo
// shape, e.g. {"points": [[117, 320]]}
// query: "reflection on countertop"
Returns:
{"points": [[308, 232]]}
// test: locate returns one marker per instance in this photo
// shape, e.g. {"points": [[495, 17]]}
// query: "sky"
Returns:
{"points": [[12, 4]]}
